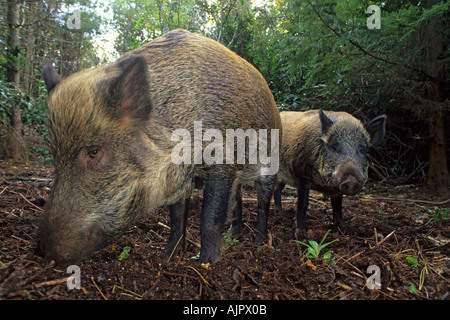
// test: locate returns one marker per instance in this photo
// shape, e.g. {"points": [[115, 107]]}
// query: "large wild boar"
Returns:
{"points": [[112, 133], [325, 151]]}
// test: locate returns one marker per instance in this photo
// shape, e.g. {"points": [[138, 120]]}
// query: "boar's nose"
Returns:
{"points": [[67, 246], [350, 186]]}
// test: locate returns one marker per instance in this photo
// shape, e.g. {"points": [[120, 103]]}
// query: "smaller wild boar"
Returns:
{"points": [[327, 152]]}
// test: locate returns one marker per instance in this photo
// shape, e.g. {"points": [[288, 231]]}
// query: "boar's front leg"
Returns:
{"points": [[264, 189], [236, 224], [217, 193], [178, 215], [303, 188], [277, 195], [336, 203]]}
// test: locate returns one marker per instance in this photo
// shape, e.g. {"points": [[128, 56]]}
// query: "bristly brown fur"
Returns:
{"points": [[111, 127]]}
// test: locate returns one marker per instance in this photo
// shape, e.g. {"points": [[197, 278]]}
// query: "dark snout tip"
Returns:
{"points": [[66, 248], [47, 254], [350, 186]]}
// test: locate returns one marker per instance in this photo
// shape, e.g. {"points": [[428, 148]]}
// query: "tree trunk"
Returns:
{"points": [[438, 178], [14, 143]]}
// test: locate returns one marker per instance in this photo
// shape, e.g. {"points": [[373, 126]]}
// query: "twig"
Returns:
{"points": [[51, 282], [98, 289], [204, 280], [3, 189], [23, 197], [387, 237], [354, 256], [175, 248], [412, 200], [131, 293], [187, 239], [245, 273], [184, 276]]}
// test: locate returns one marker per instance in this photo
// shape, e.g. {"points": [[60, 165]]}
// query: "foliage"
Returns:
{"points": [[142, 20], [438, 215], [413, 261], [33, 110], [228, 240], [313, 54], [313, 249], [125, 253]]}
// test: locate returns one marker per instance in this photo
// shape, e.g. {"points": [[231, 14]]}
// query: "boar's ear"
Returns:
{"points": [[325, 121], [129, 92], [51, 77], [376, 128]]}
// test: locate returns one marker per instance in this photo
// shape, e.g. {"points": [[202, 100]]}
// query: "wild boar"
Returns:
{"points": [[112, 130], [325, 151]]}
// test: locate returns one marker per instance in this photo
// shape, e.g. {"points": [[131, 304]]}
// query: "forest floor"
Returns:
{"points": [[403, 230]]}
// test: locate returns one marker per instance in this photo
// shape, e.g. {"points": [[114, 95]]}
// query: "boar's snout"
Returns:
{"points": [[350, 186], [350, 177], [65, 246]]}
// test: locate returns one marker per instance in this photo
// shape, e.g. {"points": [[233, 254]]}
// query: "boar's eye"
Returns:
{"points": [[93, 153], [334, 147], [363, 149], [92, 157]]}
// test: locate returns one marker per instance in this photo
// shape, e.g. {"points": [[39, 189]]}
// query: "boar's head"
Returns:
{"points": [[345, 144], [95, 119]]}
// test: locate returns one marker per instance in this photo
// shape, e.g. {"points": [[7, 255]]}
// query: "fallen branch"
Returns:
{"points": [[387, 237], [411, 200], [98, 289], [184, 276], [51, 282], [23, 197]]}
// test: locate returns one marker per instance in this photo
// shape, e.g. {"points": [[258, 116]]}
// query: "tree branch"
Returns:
{"points": [[357, 45]]}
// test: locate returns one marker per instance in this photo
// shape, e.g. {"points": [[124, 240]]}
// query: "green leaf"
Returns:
{"points": [[125, 253], [412, 288], [327, 256], [312, 253], [314, 246], [413, 261]]}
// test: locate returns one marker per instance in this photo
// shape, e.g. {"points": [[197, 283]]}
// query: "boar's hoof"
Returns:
{"points": [[261, 238], [300, 233], [278, 208], [236, 229], [172, 249], [339, 222]]}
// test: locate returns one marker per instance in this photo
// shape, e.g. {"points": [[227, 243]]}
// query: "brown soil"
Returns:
{"points": [[386, 225]]}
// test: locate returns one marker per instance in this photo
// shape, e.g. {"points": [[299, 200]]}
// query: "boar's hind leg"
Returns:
{"points": [[277, 195], [302, 205], [336, 203], [264, 189], [236, 225], [217, 193], [178, 214]]}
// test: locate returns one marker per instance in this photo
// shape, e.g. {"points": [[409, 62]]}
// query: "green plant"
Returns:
{"points": [[412, 288], [228, 240], [125, 253], [437, 214], [414, 262], [313, 249]]}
